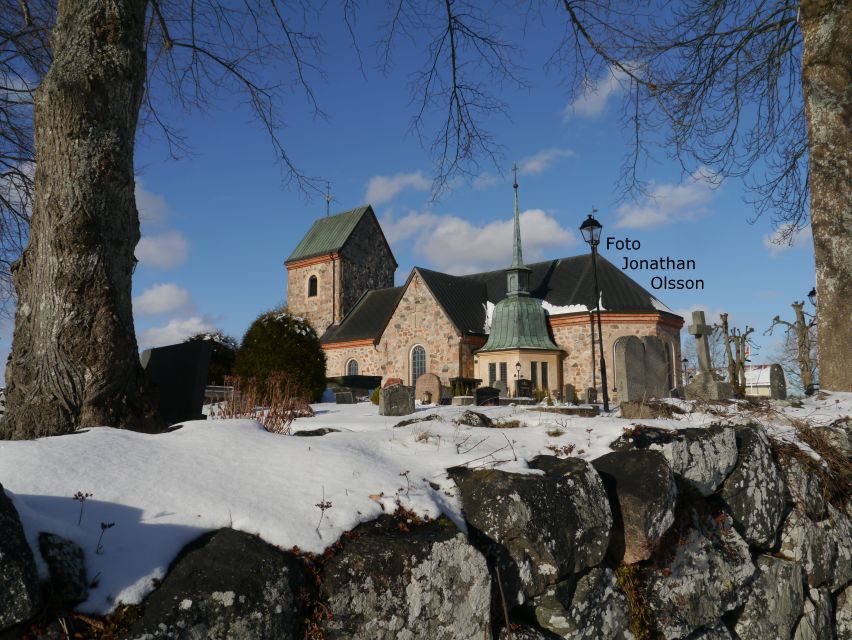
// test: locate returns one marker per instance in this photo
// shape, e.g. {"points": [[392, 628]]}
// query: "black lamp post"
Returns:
{"points": [[591, 230], [812, 296], [517, 378]]}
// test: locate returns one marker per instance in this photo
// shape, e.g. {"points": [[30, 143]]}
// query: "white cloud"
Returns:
{"points": [[163, 251], [163, 298], [455, 245], [175, 331], [382, 189], [782, 240], [596, 95], [667, 203], [485, 180], [152, 206], [542, 160]]}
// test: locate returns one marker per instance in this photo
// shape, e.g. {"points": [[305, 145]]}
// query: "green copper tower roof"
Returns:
{"points": [[518, 321]]}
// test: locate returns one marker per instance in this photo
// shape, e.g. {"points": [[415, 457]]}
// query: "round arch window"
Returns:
{"points": [[352, 368], [418, 362], [312, 287]]}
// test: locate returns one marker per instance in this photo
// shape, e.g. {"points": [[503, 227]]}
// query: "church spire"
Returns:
{"points": [[518, 274], [517, 251]]}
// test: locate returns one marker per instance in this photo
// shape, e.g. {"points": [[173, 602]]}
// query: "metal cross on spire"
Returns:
{"points": [[328, 199]]}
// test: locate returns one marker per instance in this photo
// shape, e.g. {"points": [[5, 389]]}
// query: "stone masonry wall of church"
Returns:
{"points": [[576, 340], [419, 319], [366, 263], [318, 309], [366, 356]]}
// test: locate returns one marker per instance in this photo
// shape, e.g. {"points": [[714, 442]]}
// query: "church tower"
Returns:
{"points": [[340, 258]]}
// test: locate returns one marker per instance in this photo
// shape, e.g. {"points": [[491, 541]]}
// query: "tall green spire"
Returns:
{"points": [[518, 274]]}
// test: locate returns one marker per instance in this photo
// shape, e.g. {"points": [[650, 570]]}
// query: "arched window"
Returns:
{"points": [[312, 287], [352, 368], [418, 363]]}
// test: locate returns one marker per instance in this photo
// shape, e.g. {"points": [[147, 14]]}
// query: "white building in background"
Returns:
{"points": [[757, 380]]}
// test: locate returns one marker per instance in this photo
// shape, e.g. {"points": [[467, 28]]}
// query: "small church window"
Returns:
{"points": [[544, 384], [418, 363], [503, 372], [534, 374], [492, 373], [312, 287], [352, 368]]}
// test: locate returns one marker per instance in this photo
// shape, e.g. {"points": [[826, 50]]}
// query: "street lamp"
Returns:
{"points": [[812, 296], [517, 378], [591, 230]]}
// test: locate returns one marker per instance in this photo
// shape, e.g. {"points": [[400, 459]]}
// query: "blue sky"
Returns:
{"points": [[217, 225]]}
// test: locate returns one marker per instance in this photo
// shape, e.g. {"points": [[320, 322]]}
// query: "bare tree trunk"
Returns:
{"points": [[803, 340], [74, 360], [732, 365], [827, 86]]}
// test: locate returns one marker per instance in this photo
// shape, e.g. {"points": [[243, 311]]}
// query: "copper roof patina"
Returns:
{"points": [[328, 234]]}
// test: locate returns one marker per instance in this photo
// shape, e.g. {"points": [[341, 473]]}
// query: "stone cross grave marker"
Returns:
{"points": [[704, 386], [702, 332]]}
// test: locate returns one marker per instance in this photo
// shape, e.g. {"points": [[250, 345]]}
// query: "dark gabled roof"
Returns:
{"points": [[461, 298], [570, 281], [328, 234], [561, 283], [367, 318]]}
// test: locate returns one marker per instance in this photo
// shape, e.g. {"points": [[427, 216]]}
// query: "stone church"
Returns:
{"points": [[529, 321]]}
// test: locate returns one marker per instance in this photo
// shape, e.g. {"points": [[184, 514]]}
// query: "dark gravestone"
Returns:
{"points": [[656, 368], [396, 400], [178, 373], [777, 383], [630, 369], [570, 394], [591, 395], [500, 385], [486, 397], [344, 397], [523, 388]]}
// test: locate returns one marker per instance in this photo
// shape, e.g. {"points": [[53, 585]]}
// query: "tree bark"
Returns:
{"points": [[74, 360], [827, 85], [803, 341]]}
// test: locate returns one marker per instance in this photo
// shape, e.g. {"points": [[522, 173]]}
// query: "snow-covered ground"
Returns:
{"points": [[161, 491]]}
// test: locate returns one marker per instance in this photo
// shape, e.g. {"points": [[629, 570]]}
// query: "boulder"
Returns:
{"points": [[474, 419], [817, 620], [811, 546], [642, 495], [591, 607], [839, 435], [843, 613], [524, 632], [702, 457], [67, 567], [19, 590], [805, 488], [389, 583], [775, 602], [226, 584], [708, 575], [754, 492], [838, 527], [536, 529]]}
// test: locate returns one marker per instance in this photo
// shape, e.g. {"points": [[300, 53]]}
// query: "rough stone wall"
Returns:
{"points": [[419, 319], [575, 339], [366, 263], [366, 355], [319, 310]]}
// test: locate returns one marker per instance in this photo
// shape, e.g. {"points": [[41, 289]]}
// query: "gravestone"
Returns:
{"points": [[396, 400], [777, 383], [500, 385], [704, 386], [178, 372], [486, 397], [344, 397], [656, 368], [523, 388], [428, 383], [630, 369], [591, 395], [570, 393]]}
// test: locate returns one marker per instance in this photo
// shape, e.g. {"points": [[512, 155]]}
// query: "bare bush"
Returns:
{"points": [[275, 403]]}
